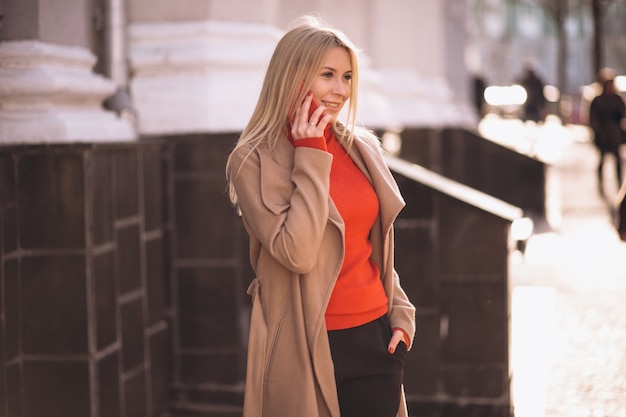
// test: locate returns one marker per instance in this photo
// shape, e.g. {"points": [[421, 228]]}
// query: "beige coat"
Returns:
{"points": [[296, 251]]}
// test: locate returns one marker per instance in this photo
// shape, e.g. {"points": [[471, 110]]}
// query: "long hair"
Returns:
{"points": [[295, 63]]}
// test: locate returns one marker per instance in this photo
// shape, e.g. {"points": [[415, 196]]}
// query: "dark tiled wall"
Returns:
{"points": [[210, 274], [123, 271], [453, 262], [453, 259], [84, 328], [479, 163]]}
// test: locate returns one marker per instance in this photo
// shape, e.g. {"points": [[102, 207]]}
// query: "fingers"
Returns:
{"points": [[305, 126], [305, 108], [395, 339]]}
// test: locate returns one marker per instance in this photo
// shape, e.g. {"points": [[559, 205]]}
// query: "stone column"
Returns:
{"points": [[418, 47], [197, 66], [197, 76], [48, 91]]}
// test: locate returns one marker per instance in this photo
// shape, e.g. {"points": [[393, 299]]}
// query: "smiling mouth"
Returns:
{"points": [[330, 106]]}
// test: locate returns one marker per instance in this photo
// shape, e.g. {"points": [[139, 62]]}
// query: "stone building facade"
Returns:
{"points": [[196, 65], [122, 266]]}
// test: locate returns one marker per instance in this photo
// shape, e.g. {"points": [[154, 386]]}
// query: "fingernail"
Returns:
{"points": [[390, 350]]}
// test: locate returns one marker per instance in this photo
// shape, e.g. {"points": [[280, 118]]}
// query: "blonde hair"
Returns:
{"points": [[296, 61]]}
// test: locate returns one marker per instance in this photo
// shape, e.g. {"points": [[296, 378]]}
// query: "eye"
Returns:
{"points": [[347, 77], [327, 74]]}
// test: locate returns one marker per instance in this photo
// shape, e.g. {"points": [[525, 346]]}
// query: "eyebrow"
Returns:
{"points": [[334, 70]]}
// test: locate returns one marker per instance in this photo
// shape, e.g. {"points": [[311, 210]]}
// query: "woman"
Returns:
{"points": [[330, 323]]}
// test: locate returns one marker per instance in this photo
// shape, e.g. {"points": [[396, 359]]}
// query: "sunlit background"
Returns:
{"points": [[555, 336], [187, 72]]}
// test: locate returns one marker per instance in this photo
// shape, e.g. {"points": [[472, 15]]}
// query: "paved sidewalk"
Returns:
{"points": [[569, 300]]}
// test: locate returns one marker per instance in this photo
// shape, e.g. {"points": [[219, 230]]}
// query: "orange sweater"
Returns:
{"points": [[358, 296]]}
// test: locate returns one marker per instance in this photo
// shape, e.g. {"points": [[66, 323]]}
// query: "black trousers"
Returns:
{"points": [[369, 378]]}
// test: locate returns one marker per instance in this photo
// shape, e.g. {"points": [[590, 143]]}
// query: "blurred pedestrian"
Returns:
{"points": [[330, 323], [605, 117], [479, 86], [535, 100]]}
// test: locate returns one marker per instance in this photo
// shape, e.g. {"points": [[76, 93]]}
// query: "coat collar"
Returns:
{"points": [[367, 156]]}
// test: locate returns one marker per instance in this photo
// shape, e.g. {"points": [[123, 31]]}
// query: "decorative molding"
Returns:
{"points": [[197, 76], [205, 77], [49, 94]]}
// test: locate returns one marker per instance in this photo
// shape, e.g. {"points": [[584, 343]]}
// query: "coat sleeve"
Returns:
{"points": [[286, 209], [401, 309]]}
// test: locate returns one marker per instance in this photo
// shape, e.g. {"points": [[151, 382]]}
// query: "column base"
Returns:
{"points": [[49, 94]]}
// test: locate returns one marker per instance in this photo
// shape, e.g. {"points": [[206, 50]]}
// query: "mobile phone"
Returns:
{"points": [[314, 105]]}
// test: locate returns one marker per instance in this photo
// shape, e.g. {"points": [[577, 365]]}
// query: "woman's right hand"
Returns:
{"points": [[309, 127]]}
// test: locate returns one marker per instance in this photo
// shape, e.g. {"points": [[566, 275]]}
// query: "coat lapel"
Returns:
{"points": [[370, 161]]}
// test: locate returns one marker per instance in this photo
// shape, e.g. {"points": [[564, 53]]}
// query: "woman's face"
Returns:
{"points": [[331, 86]]}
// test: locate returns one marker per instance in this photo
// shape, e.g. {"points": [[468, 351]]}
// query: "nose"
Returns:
{"points": [[340, 88]]}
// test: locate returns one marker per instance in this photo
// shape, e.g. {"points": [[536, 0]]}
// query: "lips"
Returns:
{"points": [[331, 105]]}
